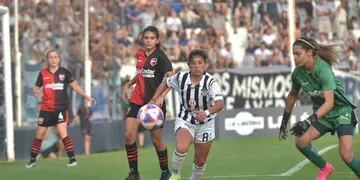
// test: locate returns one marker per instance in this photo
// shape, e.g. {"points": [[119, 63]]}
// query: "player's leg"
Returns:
{"points": [[201, 152], [68, 144], [161, 150], [345, 133], [131, 128], [43, 123], [303, 143], [203, 139], [184, 138], [36, 145]]}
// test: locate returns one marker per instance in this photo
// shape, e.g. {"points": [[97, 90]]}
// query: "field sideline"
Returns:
{"points": [[243, 158]]}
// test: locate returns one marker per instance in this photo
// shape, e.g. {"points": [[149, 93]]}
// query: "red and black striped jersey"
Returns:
{"points": [[54, 88], [150, 73]]}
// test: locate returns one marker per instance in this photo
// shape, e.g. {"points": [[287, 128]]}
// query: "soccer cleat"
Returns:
{"points": [[174, 177], [165, 174], [72, 162], [31, 164], [133, 176], [325, 172]]}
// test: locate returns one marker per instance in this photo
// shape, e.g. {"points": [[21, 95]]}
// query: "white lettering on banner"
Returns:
{"points": [[55, 86], [244, 123], [254, 90]]}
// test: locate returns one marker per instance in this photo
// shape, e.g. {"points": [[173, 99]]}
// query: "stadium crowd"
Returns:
{"points": [[115, 25]]}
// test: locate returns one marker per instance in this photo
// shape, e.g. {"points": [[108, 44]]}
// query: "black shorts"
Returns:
{"points": [[134, 109], [86, 127], [52, 118]]}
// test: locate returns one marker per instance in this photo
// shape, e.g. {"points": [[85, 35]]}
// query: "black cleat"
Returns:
{"points": [[31, 164], [133, 176], [165, 175]]}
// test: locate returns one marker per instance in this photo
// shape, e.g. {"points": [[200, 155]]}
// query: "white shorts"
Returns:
{"points": [[201, 133]]}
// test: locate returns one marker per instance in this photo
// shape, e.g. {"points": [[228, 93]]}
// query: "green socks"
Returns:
{"points": [[310, 153], [354, 165]]}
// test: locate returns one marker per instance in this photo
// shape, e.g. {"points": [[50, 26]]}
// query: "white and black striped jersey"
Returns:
{"points": [[196, 97]]}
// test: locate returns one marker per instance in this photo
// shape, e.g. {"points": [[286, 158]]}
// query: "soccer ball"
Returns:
{"points": [[150, 116]]}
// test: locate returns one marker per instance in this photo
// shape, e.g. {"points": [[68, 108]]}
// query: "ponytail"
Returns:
{"points": [[326, 52]]}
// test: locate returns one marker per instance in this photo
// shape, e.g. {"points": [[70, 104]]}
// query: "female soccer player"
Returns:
{"points": [[201, 99], [54, 81], [152, 66], [332, 110]]}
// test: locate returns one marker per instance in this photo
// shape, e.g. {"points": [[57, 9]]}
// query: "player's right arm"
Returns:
{"points": [[126, 88], [37, 87]]}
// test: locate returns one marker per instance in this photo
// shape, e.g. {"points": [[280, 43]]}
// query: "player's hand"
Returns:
{"points": [[200, 116], [159, 101], [37, 92], [91, 100], [283, 133], [302, 126]]}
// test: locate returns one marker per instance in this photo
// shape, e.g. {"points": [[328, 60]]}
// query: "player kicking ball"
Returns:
{"points": [[201, 99]]}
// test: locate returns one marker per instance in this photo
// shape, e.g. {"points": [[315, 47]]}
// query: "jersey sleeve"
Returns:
{"points": [[215, 90], [295, 84], [173, 81], [165, 64], [327, 79], [39, 80], [69, 77]]}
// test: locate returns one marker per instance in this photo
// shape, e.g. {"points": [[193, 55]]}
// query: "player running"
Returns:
{"points": [[201, 99], [332, 110]]}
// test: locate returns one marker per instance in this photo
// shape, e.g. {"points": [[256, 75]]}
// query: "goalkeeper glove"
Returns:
{"points": [[284, 123], [302, 126]]}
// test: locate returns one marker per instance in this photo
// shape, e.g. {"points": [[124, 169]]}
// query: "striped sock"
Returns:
{"points": [[163, 159], [35, 148], [69, 147], [132, 156]]}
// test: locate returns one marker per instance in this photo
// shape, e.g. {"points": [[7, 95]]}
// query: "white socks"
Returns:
{"points": [[197, 172], [177, 162]]}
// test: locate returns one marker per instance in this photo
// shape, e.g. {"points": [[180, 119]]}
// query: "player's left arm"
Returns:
{"points": [[76, 87], [328, 86], [217, 96], [162, 90]]}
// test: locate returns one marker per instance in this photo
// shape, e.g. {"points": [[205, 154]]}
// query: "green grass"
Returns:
{"points": [[242, 158]]}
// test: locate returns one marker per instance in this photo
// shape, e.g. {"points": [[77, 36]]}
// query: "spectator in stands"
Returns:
{"points": [[173, 22], [262, 55], [340, 23], [84, 113], [54, 81], [324, 14]]}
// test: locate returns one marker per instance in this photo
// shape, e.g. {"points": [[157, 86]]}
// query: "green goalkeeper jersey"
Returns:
{"points": [[321, 79]]}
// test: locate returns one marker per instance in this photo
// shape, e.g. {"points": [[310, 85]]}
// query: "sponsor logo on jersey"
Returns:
{"points": [[148, 73], [61, 77], [153, 61], [55, 86]]}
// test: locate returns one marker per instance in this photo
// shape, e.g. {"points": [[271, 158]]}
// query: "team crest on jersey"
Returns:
{"points": [[153, 61], [61, 77], [192, 103], [40, 120]]}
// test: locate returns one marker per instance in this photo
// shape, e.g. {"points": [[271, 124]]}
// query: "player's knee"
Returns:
{"points": [[301, 142], [181, 149], [158, 143], [129, 137], [346, 155]]}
